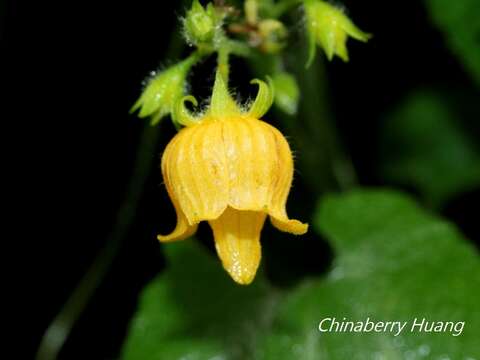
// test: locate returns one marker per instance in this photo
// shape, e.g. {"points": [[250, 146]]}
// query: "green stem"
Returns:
{"points": [[324, 150], [238, 48], [282, 7], [222, 62], [61, 326]]}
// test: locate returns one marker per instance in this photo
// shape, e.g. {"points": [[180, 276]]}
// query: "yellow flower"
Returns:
{"points": [[231, 169]]}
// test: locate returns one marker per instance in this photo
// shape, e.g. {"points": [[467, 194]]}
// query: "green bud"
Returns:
{"points": [[274, 34], [163, 90], [200, 24], [329, 27], [287, 92]]}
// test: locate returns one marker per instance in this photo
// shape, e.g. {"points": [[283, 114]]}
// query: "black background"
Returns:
{"points": [[74, 68]]}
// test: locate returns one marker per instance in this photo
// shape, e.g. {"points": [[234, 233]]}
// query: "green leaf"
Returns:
{"points": [[287, 92], [195, 311], [394, 262], [460, 22], [424, 147]]}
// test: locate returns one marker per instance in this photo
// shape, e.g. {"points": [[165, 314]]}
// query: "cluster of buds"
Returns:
{"points": [[327, 26], [267, 35]]}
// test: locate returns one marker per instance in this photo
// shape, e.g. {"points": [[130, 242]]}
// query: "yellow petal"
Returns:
{"points": [[182, 229], [195, 165], [251, 160], [281, 188], [237, 240], [283, 223]]}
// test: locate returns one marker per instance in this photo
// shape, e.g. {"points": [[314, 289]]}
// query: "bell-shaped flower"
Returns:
{"points": [[232, 170], [329, 27]]}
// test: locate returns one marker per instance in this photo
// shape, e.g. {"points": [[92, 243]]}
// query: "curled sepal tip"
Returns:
{"points": [[181, 115], [264, 98]]}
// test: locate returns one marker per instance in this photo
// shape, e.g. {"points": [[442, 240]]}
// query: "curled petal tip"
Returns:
{"points": [[291, 226], [181, 232]]}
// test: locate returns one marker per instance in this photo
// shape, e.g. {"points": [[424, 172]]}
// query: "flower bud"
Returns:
{"points": [[199, 24], [162, 91], [329, 27], [286, 92], [273, 34]]}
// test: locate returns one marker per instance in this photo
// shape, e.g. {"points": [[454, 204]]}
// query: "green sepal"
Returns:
{"points": [[222, 103], [264, 98], [181, 116]]}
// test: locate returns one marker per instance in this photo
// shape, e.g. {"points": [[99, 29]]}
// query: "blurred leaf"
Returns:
{"points": [[460, 22], [394, 262], [287, 92], [196, 309], [424, 147]]}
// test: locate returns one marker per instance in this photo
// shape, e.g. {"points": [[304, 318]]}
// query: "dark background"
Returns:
{"points": [[73, 70]]}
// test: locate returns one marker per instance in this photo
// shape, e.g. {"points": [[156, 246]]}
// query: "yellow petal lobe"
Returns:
{"points": [[195, 165], [281, 188], [182, 229], [237, 240], [250, 159]]}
